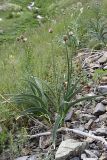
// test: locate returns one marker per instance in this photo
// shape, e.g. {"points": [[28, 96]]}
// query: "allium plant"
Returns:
{"points": [[43, 101]]}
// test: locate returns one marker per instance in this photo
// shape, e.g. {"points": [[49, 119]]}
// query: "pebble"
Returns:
{"points": [[101, 132], [99, 99], [103, 59], [89, 124], [90, 154], [99, 109], [105, 67], [103, 80], [87, 117], [102, 89], [103, 117], [104, 102], [103, 156]]}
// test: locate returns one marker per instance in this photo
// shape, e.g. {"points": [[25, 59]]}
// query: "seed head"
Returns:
{"points": [[24, 39], [70, 33], [65, 38], [50, 30], [18, 38], [65, 85]]}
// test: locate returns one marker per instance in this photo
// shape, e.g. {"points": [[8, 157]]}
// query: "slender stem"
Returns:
{"points": [[68, 65]]}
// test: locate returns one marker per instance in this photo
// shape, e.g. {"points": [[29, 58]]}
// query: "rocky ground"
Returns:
{"points": [[88, 117]]}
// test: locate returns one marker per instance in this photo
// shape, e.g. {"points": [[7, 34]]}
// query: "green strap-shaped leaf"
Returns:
{"points": [[55, 128]]}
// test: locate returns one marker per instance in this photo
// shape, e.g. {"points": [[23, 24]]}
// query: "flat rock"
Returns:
{"points": [[99, 109], [70, 148], [102, 89]]}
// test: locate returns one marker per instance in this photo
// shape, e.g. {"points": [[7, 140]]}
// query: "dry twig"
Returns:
{"points": [[101, 139]]}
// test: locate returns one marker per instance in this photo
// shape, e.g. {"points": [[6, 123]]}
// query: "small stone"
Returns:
{"points": [[96, 152], [104, 102], [103, 80], [78, 112], [94, 66], [103, 156], [102, 89], [87, 117], [70, 148], [90, 154], [99, 99], [89, 140], [103, 117], [94, 146], [69, 116], [105, 67], [101, 132], [89, 124], [80, 128], [103, 59], [99, 109], [83, 156], [97, 120]]}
